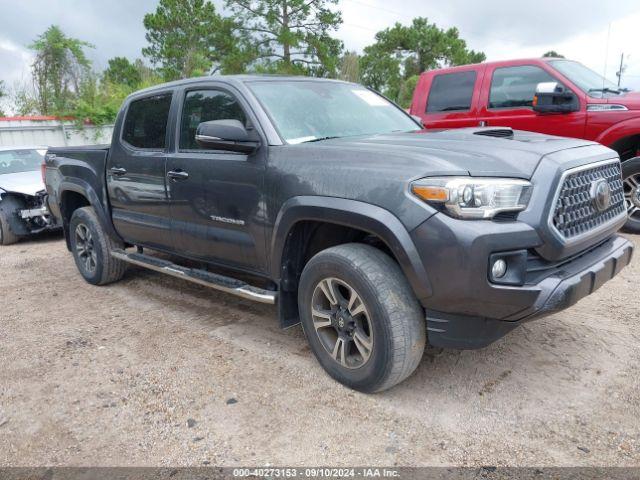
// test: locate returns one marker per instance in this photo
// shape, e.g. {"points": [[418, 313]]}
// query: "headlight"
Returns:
{"points": [[469, 197]]}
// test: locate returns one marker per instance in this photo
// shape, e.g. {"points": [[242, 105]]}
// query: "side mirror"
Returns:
{"points": [[551, 97], [228, 135]]}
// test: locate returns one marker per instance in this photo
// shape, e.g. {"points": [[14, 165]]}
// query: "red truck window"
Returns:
{"points": [[451, 92], [513, 87]]}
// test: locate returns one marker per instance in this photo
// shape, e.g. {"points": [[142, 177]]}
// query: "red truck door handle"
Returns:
{"points": [[178, 175], [483, 123], [117, 171]]}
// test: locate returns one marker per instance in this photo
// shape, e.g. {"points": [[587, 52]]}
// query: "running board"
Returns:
{"points": [[201, 277]]}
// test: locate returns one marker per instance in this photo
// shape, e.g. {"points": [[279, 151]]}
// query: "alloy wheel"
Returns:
{"points": [[342, 322], [85, 248], [632, 195]]}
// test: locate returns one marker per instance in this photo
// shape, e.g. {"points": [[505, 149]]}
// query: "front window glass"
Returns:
{"points": [[586, 79], [16, 161], [513, 87], [308, 110], [204, 106]]}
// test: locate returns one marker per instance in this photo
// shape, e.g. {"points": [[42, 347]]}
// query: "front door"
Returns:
{"points": [[215, 196], [507, 102], [136, 174]]}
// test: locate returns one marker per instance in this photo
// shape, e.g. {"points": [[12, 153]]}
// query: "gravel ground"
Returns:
{"points": [[156, 371]]}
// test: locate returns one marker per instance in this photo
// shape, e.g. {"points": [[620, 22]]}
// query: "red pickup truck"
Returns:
{"points": [[547, 95]]}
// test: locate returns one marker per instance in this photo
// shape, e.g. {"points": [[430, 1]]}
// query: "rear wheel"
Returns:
{"points": [[92, 247], [631, 180], [361, 318], [7, 237]]}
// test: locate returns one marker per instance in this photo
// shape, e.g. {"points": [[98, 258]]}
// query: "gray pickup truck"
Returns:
{"points": [[329, 200]]}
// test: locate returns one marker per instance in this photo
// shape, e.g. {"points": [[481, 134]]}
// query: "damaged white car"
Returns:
{"points": [[23, 209]]}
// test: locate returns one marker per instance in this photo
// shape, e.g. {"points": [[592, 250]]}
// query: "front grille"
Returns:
{"points": [[575, 212]]}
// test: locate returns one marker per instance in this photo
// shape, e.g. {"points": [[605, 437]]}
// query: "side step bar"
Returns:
{"points": [[201, 277]]}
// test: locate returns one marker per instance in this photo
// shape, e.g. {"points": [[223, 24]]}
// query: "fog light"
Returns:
{"points": [[499, 268]]}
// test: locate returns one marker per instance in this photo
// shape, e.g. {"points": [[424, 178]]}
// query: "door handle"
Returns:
{"points": [[117, 171], [483, 123], [178, 175]]}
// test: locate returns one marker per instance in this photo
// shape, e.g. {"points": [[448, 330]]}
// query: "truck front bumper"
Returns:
{"points": [[467, 310]]}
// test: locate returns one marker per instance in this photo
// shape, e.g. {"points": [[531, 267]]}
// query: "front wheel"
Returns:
{"points": [[7, 237], [361, 318], [631, 180]]}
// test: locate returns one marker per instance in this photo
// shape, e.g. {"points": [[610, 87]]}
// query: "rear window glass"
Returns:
{"points": [[451, 92], [146, 123]]}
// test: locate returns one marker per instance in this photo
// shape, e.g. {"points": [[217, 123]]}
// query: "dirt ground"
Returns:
{"points": [[156, 371]]}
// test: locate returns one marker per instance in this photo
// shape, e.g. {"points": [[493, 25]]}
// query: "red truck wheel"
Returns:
{"points": [[631, 177]]}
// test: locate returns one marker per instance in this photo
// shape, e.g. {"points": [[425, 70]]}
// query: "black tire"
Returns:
{"points": [[631, 178], [393, 321], [93, 253], [7, 237]]}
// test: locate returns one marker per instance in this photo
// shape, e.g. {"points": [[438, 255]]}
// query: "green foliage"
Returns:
{"points": [[98, 102], [552, 53], [23, 100], [99, 99], [401, 52], [288, 36], [58, 69], [187, 37], [405, 94], [350, 67], [122, 71]]}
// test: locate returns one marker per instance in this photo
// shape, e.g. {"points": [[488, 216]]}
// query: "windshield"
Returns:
{"points": [[306, 111], [586, 79], [16, 161]]}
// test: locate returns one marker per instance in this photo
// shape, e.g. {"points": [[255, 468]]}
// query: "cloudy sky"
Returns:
{"points": [[594, 32]]}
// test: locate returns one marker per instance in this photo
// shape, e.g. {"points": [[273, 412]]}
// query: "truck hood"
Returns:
{"points": [[26, 183], [467, 151], [630, 100]]}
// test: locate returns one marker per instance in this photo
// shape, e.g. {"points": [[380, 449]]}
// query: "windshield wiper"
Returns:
{"points": [[320, 139], [605, 90]]}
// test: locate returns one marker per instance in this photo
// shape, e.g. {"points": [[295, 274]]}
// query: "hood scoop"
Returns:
{"points": [[503, 132]]}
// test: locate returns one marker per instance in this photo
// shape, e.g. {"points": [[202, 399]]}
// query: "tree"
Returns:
{"points": [[187, 37], [289, 36], [401, 52], [552, 53], [350, 67], [122, 71], [59, 66], [407, 87], [3, 94]]}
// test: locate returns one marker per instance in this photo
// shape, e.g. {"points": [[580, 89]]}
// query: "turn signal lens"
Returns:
{"points": [[431, 194]]}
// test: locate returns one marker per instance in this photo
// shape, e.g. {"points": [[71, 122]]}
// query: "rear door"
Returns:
{"points": [[216, 196], [452, 99], [507, 97], [136, 173]]}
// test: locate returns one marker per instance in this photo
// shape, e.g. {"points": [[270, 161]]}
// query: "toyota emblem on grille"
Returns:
{"points": [[601, 194]]}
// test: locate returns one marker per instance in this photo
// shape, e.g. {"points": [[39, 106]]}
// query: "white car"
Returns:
{"points": [[23, 209]]}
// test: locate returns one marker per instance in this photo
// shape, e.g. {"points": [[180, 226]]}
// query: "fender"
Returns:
{"points": [[351, 213], [85, 189], [620, 130]]}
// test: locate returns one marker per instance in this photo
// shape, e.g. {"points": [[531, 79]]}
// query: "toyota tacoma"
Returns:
{"points": [[328, 200]]}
